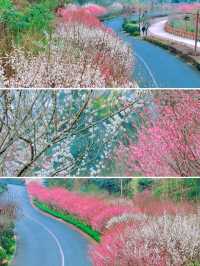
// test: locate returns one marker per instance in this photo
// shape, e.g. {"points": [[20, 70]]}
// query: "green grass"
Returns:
{"points": [[69, 218], [161, 43]]}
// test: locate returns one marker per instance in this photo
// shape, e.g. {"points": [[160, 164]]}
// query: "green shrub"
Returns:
{"points": [[134, 22], [27, 26], [3, 255], [7, 243], [195, 263], [39, 18], [15, 21], [11, 249], [5, 5], [132, 28]]}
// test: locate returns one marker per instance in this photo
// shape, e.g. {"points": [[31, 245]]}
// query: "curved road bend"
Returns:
{"points": [[43, 241], [158, 29], [154, 66]]}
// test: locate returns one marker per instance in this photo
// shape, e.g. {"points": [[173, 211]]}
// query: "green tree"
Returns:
{"points": [[138, 185], [178, 189]]}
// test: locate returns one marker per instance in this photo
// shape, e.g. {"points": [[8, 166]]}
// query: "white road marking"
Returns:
{"points": [[145, 65], [52, 235], [148, 69]]}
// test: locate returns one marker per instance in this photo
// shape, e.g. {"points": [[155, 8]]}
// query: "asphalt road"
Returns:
{"points": [[43, 241], [155, 66]]}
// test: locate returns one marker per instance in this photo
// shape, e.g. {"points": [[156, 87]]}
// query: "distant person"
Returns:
{"points": [[143, 30], [146, 28]]}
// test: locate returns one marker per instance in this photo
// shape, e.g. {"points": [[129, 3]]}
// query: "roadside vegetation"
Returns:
{"points": [[7, 242], [156, 226], [7, 236], [54, 44], [69, 218]]}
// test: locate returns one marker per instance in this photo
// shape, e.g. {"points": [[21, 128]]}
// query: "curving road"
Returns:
{"points": [[158, 29], [43, 241], [154, 66]]}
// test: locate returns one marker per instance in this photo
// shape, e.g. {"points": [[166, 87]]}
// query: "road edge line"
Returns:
{"points": [[52, 235]]}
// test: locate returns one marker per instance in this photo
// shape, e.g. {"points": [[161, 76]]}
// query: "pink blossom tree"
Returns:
{"points": [[187, 8], [168, 145]]}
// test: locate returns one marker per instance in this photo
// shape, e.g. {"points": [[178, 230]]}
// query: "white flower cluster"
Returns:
{"points": [[60, 157], [76, 56], [58, 70], [43, 134], [175, 236], [105, 48], [28, 128], [17, 155], [106, 142], [124, 218]]}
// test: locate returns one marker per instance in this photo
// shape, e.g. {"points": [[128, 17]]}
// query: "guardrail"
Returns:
{"points": [[180, 32]]}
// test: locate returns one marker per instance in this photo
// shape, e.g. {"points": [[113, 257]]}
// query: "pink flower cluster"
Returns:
{"points": [[95, 10], [188, 7], [157, 237], [95, 211], [108, 53], [84, 15], [170, 144], [154, 207]]}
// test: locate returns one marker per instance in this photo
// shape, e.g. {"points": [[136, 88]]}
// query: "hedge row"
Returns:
{"points": [[131, 27]]}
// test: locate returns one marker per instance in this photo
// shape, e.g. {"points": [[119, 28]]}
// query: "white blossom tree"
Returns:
{"points": [[62, 132]]}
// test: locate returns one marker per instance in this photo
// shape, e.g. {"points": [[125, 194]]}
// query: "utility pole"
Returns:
{"points": [[196, 32]]}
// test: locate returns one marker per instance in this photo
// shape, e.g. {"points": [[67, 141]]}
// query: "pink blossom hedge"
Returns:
{"points": [[95, 211]]}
